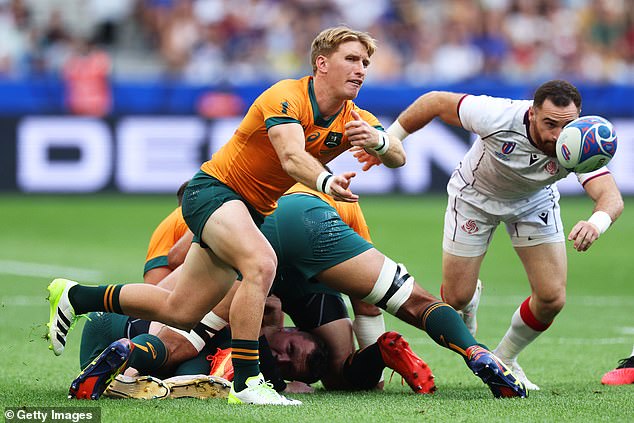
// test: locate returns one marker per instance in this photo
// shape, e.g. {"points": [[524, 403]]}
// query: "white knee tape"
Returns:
{"points": [[196, 341], [392, 288]]}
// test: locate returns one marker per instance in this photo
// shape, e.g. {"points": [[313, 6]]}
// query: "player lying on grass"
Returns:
{"points": [[156, 350], [294, 355], [311, 240]]}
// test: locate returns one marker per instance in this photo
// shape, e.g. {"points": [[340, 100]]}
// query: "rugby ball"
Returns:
{"points": [[586, 144]]}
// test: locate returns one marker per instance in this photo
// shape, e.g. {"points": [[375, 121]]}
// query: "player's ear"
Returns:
{"points": [[321, 62]]}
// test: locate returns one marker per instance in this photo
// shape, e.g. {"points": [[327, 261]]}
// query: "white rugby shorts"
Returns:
{"points": [[472, 217]]}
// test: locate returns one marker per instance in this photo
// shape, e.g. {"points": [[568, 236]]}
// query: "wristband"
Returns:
{"points": [[384, 144], [601, 220], [324, 180], [397, 130]]}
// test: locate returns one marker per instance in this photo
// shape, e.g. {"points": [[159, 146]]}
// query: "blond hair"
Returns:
{"points": [[329, 40]]}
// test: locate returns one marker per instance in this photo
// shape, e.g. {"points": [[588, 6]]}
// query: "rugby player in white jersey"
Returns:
{"points": [[509, 176]]}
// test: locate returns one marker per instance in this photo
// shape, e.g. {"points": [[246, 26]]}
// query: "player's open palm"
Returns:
{"points": [[365, 158], [339, 189]]}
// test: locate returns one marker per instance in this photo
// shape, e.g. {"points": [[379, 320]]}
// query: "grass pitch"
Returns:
{"points": [[104, 238]]}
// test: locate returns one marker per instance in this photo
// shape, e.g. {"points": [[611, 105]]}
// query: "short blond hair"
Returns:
{"points": [[329, 40]]}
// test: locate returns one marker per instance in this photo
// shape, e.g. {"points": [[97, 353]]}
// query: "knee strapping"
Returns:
{"points": [[392, 288]]}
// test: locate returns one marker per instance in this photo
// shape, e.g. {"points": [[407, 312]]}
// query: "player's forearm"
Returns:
{"points": [[606, 196], [428, 106], [302, 167], [610, 202], [394, 156]]}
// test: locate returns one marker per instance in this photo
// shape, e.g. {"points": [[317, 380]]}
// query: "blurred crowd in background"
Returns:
{"points": [[421, 42]]}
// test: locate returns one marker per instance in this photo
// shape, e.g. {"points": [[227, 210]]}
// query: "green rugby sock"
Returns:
{"points": [[85, 299], [245, 359], [443, 324], [149, 353]]}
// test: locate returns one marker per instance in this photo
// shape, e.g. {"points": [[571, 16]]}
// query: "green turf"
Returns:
{"points": [[105, 237]]}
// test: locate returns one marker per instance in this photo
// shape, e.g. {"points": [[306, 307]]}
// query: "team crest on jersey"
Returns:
{"points": [[508, 147], [312, 137], [333, 139], [551, 167], [470, 227]]}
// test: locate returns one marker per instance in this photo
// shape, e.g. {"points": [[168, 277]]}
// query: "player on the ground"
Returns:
{"points": [[287, 135], [156, 350], [509, 176], [623, 374]]}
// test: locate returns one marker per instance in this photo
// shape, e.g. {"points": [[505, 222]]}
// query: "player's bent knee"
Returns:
{"points": [[454, 299], [393, 287], [261, 273]]}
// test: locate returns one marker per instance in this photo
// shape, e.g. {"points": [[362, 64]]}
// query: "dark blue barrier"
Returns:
{"points": [[46, 96]]}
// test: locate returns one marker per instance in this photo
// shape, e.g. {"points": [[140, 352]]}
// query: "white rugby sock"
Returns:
{"points": [[520, 334]]}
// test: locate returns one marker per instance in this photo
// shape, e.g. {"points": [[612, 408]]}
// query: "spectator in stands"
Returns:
{"points": [[86, 74]]}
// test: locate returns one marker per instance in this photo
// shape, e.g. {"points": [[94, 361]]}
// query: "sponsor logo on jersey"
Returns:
{"points": [[534, 158], [470, 227], [312, 137], [285, 107], [333, 139], [544, 217], [551, 167]]}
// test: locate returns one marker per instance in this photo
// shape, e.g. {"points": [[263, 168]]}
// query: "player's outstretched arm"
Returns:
{"points": [[608, 206], [424, 109], [289, 144]]}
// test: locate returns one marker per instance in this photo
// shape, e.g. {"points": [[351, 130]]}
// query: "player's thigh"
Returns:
{"points": [[203, 281], [546, 266], [222, 220], [235, 238], [470, 222], [312, 240], [460, 275], [357, 275]]}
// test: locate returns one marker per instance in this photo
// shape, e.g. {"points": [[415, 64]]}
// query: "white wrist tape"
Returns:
{"points": [[601, 220], [324, 181], [384, 143], [397, 130]]}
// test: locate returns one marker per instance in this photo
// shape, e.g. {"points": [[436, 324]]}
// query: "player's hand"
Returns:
{"points": [[361, 134], [583, 234], [297, 387], [339, 189], [364, 157]]}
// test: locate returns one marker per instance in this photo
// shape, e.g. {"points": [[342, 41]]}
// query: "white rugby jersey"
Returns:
{"points": [[503, 162]]}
